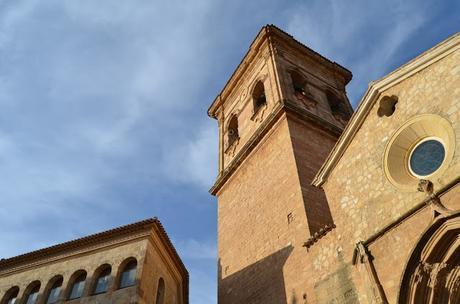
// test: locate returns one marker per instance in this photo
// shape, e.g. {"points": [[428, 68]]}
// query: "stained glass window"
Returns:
{"points": [[427, 157]]}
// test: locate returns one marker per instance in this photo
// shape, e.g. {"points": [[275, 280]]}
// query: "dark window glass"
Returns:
{"points": [[77, 287], [11, 296], [233, 130], [338, 107], [427, 157], [298, 83], [54, 292], [259, 96], [33, 295], [160, 291], [128, 276], [102, 282]]}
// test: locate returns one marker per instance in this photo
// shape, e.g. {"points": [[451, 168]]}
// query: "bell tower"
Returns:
{"points": [[279, 116]]}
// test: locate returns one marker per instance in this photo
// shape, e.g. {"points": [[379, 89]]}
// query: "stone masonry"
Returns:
{"points": [[306, 213], [145, 242]]}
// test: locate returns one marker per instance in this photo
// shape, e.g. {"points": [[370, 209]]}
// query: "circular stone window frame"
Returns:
{"points": [[402, 143]]}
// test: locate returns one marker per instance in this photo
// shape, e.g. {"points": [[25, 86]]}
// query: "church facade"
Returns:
{"points": [[320, 204]]}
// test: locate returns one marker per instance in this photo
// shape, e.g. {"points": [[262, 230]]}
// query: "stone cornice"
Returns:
{"points": [[29, 262], [283, 106], [77, 246], [372, 94]]}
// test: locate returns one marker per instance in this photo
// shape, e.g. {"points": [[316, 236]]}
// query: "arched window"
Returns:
{"points": [[232, 131], [31, 295], [259, 98], [128, 274], [160, 292], [338, 108], [77, 282], [54, 290], [298, 83], [102, 279], [11, 296]]}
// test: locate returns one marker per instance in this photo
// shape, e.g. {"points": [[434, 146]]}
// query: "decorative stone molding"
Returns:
{"points": [[258, 116], [318, 235], [365, 258], [433, 201], [231, 148], [402, 143]]}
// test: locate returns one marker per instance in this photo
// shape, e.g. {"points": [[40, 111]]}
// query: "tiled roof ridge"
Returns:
{"points": [[89, 239]]}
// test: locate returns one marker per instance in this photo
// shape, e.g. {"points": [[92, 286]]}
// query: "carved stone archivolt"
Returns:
{"points": [[433, 272]]}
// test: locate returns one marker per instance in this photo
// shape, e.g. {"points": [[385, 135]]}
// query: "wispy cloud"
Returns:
{"points": [[193, 249], [103, 106], [361, 35], [194, 161]]}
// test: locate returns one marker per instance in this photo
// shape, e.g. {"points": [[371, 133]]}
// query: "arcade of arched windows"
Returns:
{"points": [[81, 283]]}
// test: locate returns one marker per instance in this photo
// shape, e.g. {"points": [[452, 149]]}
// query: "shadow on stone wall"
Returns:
{"points": [[310, 151], [337, 287], [261, 282]]}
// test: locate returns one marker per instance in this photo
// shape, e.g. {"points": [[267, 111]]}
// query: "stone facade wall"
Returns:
{"points": [[264, 213], [88, 261], [253, 223], [317, 79], [153, 262], [361, 198], [157, 265], [267, 209], [240, 103]]}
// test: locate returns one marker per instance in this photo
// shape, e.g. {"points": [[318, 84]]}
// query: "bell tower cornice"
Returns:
{"points": [[267, 44], [285, 107]]}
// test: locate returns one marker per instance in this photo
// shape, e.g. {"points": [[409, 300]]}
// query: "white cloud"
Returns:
{"points": [[102, 105], [193, 249], [361, 35], [195, 160]]}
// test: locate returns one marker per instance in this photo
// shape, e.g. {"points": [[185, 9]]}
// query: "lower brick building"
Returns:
{"points": [[318, 203], [135, 263]]}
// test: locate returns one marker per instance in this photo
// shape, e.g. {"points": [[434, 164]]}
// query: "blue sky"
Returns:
{"points": [[103, 105]]}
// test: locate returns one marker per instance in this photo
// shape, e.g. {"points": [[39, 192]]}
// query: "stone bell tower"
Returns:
{"points": [[279, 116]]}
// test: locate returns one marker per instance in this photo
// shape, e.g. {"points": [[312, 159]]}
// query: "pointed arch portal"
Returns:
{"points": [[432, 274]]}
